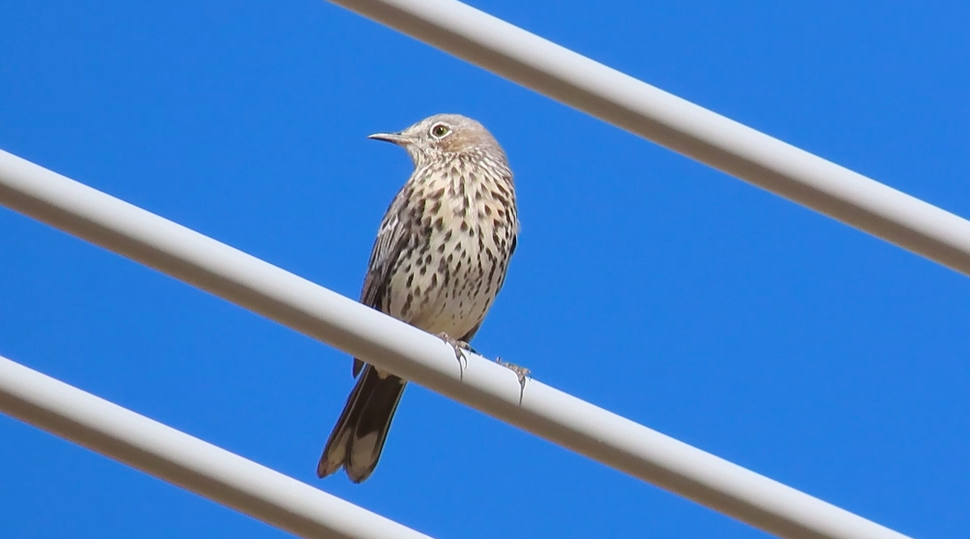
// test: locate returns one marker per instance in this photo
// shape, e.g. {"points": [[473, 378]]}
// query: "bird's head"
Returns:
{"points": [[445, 135]]}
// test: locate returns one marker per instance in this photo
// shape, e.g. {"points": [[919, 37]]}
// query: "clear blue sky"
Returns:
{"points": [[644, 282]]}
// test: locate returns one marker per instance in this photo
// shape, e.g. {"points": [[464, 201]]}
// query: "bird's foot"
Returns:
{"points": [[460, 348], [522, 373]]}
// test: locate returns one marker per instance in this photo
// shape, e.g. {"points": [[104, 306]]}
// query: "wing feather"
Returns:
{"points": [[392, 238]]}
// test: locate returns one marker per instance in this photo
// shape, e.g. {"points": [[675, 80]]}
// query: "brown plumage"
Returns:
{"points": [[439, 260]]}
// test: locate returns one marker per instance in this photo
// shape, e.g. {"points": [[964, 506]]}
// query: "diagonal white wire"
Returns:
{"points": [[679, 125], [423, 358], [186, 461]]}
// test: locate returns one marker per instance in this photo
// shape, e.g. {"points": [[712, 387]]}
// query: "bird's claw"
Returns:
{"points": [[460, 347], [522, 373]]}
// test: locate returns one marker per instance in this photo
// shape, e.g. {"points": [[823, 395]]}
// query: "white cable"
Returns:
{"points": [[679, 125], [404, 350], [186, 461]]}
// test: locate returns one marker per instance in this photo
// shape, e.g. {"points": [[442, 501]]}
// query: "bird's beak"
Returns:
{"points": [[395, 138]]}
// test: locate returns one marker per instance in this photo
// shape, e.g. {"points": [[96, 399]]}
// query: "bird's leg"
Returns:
{"points": [[521, 372], [460, 348]]}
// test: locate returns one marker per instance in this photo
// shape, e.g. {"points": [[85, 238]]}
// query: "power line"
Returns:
{"points": [[186, 461], [409, 352], [679, 125]]}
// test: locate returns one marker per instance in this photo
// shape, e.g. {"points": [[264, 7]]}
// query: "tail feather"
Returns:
{"points": [[359, 435]]}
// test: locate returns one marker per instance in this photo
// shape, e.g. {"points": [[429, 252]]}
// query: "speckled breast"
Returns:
{"points": [[456, 262]]}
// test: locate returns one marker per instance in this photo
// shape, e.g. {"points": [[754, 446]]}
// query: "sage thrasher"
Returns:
{"points": [[439, 260]]}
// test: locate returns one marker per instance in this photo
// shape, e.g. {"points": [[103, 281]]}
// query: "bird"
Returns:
{"points": [[440, 258]]}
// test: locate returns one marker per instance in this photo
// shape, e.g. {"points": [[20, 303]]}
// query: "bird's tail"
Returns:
{"points": [[358, 437]]}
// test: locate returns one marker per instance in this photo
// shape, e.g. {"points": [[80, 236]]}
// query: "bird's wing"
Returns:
{"points": [[392, 237], [517, 226]]}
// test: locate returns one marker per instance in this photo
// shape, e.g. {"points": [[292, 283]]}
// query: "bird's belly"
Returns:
{"points": [[447, 290]]}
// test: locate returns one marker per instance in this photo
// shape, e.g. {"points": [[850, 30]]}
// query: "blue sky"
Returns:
{"points": [[644, 282]]}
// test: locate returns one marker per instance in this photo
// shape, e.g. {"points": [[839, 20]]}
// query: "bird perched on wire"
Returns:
{"points": [[439, 261]]}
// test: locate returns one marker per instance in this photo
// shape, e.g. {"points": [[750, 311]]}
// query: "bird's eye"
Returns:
{"points": [[439, 130]]}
